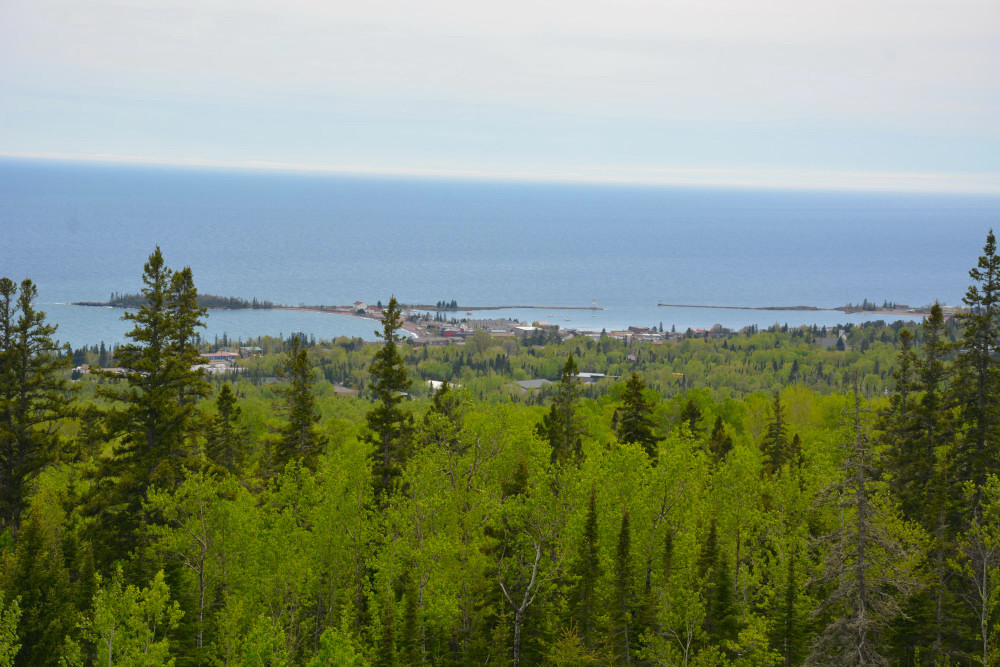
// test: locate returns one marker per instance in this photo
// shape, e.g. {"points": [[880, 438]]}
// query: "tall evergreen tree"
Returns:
{"points": [[155, 416], [33, 396], [227, 438], [691, 415], [776, 447], [977, 369], [635, 417], [299, 436], [720, 622], [622, 608], [586, 573], [386, 421], [720, 443], [561, 426]]}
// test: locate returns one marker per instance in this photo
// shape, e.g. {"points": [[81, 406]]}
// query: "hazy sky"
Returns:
{"points": [[856, 93]]}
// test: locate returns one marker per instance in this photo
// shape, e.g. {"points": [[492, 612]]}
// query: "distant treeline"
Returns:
{"points": [[867, 305], [204, 300]]}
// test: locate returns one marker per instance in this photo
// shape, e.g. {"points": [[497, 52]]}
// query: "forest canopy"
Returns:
{"points": [[778, 497]]}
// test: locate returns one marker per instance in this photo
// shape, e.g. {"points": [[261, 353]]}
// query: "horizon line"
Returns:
{"points": [[757, 179]]}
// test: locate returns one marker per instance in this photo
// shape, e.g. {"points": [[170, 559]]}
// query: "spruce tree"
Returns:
{"points": [[299, 437], [635, 418], [623, 604], [691, 414], [387, 423], [33, 396], [776, 446], [561, 426], [586, 571], [720, 443], [977, 369], [154, 414], [720, 622], [227, 438]]}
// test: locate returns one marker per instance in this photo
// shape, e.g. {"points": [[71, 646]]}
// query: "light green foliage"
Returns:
{"points": [[36, 572], [191, 527], [336, 647], [10, 614], [483, 524], [978, 563], [128, 625]]}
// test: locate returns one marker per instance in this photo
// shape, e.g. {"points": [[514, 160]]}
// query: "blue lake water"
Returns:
{"points": [[81, 231]]}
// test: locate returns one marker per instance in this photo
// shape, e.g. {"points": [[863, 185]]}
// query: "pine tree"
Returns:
{"points": [[227, 439], [720, 609], [33, 396], [561, 426], [623, 604], [691, 414], [720, 443], [156, 421], [635, 418], [977, 370], [299, 437], [587, 573], [776, 446], [386, 421]]}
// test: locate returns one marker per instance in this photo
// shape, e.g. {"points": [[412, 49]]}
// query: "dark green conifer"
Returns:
{"points": [[154, 415], [977, 370], [299, 437], [776, 446], [412, 635], [33, 395], [623, 604], [635, 417], [691, 414], [386, 421], [227, 439], [37, 573], [720, 443], [587, 573], [561, 426]]}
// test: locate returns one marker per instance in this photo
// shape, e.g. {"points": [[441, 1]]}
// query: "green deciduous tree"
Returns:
{"points": [[871, 559], [10, 614], [128, 625]]}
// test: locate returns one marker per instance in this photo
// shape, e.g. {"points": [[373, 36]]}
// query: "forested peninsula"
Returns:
{"points": [[780, 497]]}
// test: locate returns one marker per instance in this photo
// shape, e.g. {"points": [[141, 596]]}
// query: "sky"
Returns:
{"points": [[857, 94]]}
